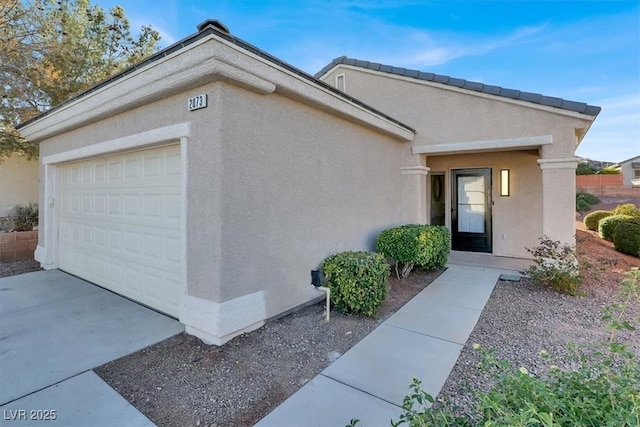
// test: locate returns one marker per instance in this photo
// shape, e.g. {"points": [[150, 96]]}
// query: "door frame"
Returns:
{"points": [[472, 242]]}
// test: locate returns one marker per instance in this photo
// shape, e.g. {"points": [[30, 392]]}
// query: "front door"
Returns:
{"points": [[471, 210]]}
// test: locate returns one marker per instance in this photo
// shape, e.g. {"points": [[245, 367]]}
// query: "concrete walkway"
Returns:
{"points": [[423, 340], [54, 329]]}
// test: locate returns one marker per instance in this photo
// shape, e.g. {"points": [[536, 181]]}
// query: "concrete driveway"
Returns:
{"points": [[54, 329]]}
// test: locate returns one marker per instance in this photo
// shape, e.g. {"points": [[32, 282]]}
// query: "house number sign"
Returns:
{"points": [[197, 102]]}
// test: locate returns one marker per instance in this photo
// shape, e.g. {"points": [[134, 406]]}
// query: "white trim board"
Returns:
{"points": [[528, 142]]}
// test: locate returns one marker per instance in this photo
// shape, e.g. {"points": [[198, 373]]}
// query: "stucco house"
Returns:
{"points": [[630, 170], [210, 179]]}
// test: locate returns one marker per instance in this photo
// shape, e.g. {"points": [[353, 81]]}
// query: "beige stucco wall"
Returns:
{"points": [[18, 182], [542, 200], [628, 172], [516, 219], [298, 185], [444, 114], [273, 186]]}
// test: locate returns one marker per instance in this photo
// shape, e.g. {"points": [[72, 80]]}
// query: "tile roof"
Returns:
{"points": [[535, 98], [216, 28]]}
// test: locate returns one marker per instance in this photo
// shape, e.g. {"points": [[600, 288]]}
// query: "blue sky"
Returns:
{"points": [[587, 51]]}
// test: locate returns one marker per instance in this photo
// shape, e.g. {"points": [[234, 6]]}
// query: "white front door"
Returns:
{"points": [[119, 224]]}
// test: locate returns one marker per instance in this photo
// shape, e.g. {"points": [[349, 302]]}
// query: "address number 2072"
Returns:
{"points": [[197, 102]]}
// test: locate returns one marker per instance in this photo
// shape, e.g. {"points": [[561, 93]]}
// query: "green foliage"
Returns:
{"points": [[426, 246], [610, 170], [601, 389], [556, 266], [592, 219], [584, 201], [585, 169], [24, 217], [53, 50], [607, 226], [627, 209], [358, 281], [626, 238]]}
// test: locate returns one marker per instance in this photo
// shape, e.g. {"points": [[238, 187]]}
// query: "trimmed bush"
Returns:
{"points": [[626, 238], [358, 281], [584, 201], [607, 226], [592, 219], [24, 217], [627, 209], [589, 198], [410, 245]]}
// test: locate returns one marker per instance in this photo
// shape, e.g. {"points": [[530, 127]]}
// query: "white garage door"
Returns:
{"points": [[119, 224]]}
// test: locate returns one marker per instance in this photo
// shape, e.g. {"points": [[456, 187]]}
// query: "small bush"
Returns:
{"points": [[584, 201], [556, 266], [358, 281], [24, 217], [627, 209], [626, 238], [607, 226], [426, 246], [592, 219]]}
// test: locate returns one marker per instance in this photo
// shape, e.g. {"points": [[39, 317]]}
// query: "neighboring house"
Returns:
{"points": [[19, 182], [210, 179], [630, 170]]}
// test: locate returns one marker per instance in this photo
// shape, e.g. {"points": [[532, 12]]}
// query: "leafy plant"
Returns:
{"points": [[585, 169], [626, 238], [626, 209], [411, 245], [584, 201], [610, 170], [24, 217], [556, 266], [607, 226], [358, 281], [592, 219]]}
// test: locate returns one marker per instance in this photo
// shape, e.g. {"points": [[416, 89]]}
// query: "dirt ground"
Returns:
{"points": [[182, 382]]}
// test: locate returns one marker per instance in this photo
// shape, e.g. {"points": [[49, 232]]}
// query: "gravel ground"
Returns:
{"points": [[18, 267], [182, 382]]}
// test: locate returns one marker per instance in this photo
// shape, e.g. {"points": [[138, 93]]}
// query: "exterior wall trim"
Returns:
{"points": [[46, 251], [414, 170], [218, 322], [492, 144], [568, 163]]}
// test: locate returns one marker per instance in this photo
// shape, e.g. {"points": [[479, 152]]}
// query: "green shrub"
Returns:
{"points": [[556, 266], [426, 246], [626, 209], [584, 201], [607, 226], [592, 219], [358, 281], [626, 238], [24, 217]]}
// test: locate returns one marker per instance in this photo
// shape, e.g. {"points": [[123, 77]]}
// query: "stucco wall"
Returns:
{"points": [[628, 172], [443, 114], [273, 187], [18, 182], [298, 185], [448, 115], [516, 219]]}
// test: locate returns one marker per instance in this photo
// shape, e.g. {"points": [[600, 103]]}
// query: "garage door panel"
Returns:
{"points": [[119, 224]]}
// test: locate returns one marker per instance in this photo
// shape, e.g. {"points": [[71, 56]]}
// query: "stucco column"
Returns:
{"points": [[558, 198], [414, 194]]}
